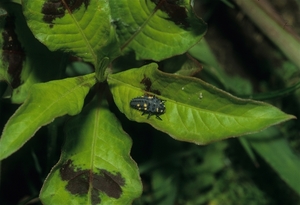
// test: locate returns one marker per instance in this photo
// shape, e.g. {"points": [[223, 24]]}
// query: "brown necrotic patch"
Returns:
{"points": [[148, 83], [109, 183], [176, 13], [53, 9], [13, 53], [81, 181]]}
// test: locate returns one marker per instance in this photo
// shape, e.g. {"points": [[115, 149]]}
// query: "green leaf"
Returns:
{"points": [[85, 29], [182, 65], [246, 145], [195, 111], [216, 73], [275, 150], [277, 93], [25, 61], [156, 31], [45, 102], [82, 28], [95, 166]]}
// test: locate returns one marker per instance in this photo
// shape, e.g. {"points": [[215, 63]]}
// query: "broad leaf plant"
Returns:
{"points": [[38, 40]]}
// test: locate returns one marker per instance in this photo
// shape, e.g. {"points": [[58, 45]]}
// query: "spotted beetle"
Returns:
{"points": [[148, 104]]}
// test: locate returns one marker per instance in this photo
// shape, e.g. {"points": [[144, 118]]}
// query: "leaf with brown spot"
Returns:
{"points": [[195, 111], [57, 9], [79, 27], [95, 165], [24, 60], [93, 29], [156, 29], [13, 54], [176, 13]]}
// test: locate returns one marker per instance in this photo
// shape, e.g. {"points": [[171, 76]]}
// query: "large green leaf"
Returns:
{"points": [[156, 29], [95, 166], [45, 102], [195, 111], [25, 61], [79, 27], [275, 150]]}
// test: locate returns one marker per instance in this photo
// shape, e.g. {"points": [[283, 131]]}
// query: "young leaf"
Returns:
{"points": [[156, 29], [195, 111], [95, 166], [45, 102]]}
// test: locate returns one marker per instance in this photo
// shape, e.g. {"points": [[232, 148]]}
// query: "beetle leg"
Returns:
{"points": [[157, 116]]}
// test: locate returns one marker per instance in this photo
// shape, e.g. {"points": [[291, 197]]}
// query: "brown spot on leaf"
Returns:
{"points": [[78, 179], [53, 9], [81, 181], [176, 13], [109, 183], [13, 52], [95, 197], [147, 82]]}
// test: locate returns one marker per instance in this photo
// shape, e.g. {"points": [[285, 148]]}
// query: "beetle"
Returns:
{"points": [[149, 104]]}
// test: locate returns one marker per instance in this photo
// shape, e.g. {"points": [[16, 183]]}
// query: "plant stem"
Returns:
{"points": [[270, 23]]}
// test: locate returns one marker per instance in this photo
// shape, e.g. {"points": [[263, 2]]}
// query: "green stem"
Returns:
{"points": [[274, 94], [263, 15]]}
